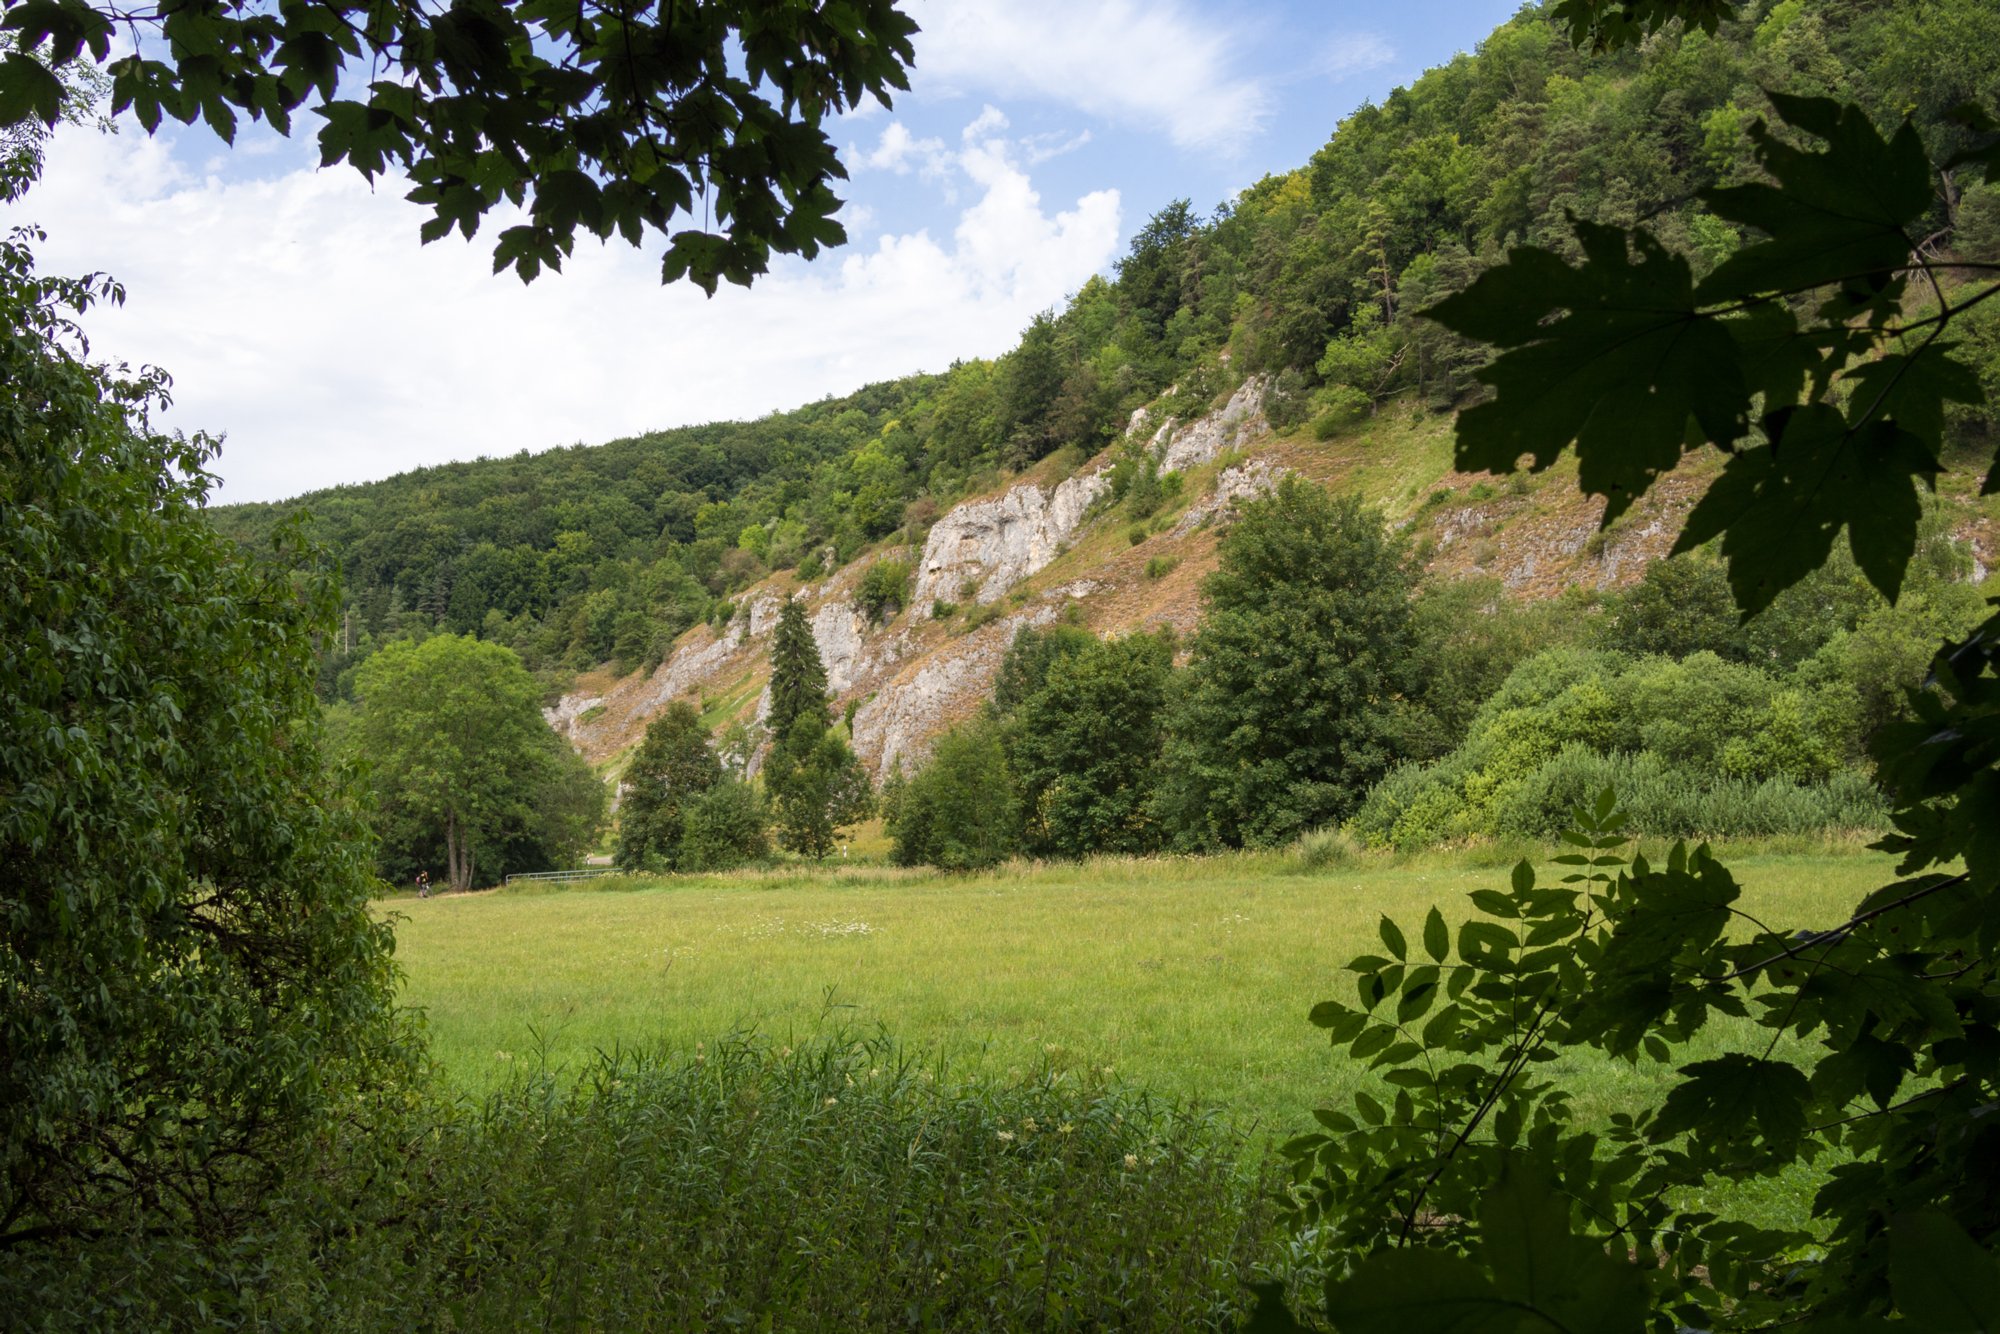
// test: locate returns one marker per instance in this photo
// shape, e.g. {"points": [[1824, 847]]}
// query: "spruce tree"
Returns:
{"points": [[798, 677]]}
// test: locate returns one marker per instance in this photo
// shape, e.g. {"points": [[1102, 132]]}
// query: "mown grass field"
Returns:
{"points": [[1192, 977]]}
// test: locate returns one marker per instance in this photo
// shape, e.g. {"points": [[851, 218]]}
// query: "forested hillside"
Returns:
{"points": [[1315, 278]]}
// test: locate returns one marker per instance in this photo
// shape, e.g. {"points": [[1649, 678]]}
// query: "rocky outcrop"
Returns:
{"points": [[1229, 427], [995, 544], [1245, 481], [690, 668], [841, 633], [906, 715], [764, 613], [563, 717]]}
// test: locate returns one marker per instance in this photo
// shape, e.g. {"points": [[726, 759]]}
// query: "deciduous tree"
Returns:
{"points": [[610, 119], [452, 732], [190, 977], [1287, 709], [674, 766]]}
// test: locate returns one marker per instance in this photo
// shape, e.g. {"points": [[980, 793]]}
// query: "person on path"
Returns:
{"points": [[423, 884]]}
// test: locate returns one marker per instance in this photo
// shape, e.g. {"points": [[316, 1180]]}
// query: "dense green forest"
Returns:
{"points": [[583, 555]]}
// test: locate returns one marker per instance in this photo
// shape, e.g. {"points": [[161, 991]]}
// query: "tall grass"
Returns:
{"points": [[837, 1185]]}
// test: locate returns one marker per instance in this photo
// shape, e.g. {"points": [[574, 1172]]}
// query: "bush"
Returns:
{"points": [[725, 827], [960, 811], [1695, 747], [841, 1185], [1159, 567], [1324, 850], [883, 589]]}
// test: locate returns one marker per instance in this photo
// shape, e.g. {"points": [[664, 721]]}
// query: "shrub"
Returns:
{"points": [[1324, 849], [883, 589], [1159, 567], [983, 614], [1695, 747], [960, 811], [724, 827]]}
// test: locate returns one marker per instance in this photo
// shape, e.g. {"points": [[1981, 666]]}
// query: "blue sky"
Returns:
{"points": [[301, 319]]}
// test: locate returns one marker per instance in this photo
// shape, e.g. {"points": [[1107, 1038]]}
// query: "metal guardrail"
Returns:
{"points": [[564, 877]]}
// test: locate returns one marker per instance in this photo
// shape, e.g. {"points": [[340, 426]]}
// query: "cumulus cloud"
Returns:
{"points": [[299, 315], [899, 151], [1159, 64]]}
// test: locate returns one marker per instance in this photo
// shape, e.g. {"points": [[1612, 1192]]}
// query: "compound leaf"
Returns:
{"points": [[1612, 357]]}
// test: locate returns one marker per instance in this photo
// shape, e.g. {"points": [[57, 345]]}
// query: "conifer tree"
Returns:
{"points": [[798, 677]]}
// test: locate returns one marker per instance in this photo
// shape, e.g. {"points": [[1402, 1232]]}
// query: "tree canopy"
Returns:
{"points": [[616, 120], [1286, 714], [190, 977], [674, 767], [452, 734]]}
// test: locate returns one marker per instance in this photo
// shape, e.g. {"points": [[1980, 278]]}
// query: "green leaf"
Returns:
{"points": [[1943, 1282], [1392, 936], [1913, 388], [1271, 1315], [1986, 153], [28, 89], [1779, 508], [1524, 1233], [1612, 357], [1437, 936], [1833, 216], [1419, 1291], [1735, 1094]]}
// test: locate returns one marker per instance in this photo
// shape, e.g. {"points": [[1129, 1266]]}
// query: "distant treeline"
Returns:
{"points": [[1315, 276]]}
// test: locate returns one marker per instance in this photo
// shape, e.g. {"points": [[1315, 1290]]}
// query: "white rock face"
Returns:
{"points": [[907, 714], [1245, 481], [689, 667], [562, 718], [764, 613], [995, 544], [1181, 447], [838, 629]]}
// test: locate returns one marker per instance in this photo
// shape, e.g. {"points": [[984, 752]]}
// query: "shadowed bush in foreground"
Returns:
{"points": [[843, 1185]]}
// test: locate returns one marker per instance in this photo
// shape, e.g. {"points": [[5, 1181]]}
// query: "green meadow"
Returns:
{"points": [[1191, 977]]}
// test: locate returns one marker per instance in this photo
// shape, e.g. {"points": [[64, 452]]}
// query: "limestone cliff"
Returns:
{"points": [[981, 549], [1044, 547]]}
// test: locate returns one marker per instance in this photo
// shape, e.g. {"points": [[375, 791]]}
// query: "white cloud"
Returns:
{"points": [[1156, 63], [299, 315], [1353, 53], [989, 122], [899, 151]]}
